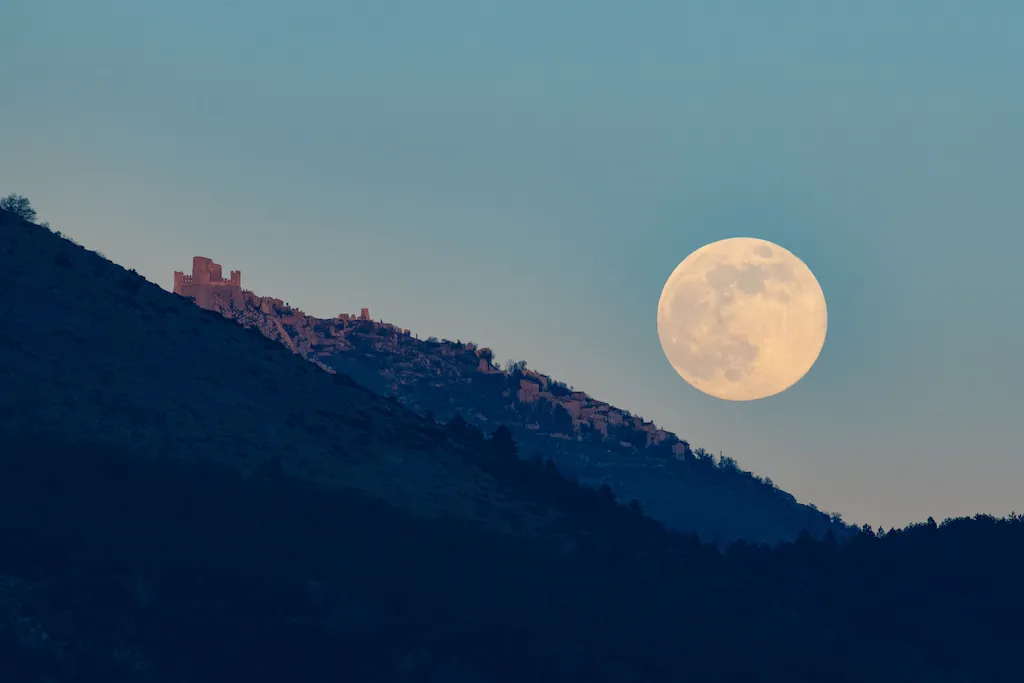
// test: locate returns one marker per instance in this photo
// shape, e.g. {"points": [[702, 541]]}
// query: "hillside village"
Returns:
{"points": [[685, 487], [439, 364]]}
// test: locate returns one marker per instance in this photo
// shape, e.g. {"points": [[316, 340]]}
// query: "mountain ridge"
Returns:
{"points": [[183, 500], [587, 438], [275, 412]]}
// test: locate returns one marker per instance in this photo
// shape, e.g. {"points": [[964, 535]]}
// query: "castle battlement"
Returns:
{"points": [[207, 279], [364, 314]]}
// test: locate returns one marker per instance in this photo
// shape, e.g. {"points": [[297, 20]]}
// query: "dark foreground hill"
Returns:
{"points": [[687, 488], [183, 501]]}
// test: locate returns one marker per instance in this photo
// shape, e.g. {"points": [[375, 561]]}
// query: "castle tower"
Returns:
{"points": [[201, 270], [207, 282]]}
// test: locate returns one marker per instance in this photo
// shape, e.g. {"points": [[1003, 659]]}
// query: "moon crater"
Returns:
{"points": [[742, 319]]}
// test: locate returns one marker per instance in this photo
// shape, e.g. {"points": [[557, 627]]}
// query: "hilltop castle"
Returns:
{"points": [[207, 281]]}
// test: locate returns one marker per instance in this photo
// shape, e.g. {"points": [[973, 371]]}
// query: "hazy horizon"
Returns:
{"points": [[527, 176]]}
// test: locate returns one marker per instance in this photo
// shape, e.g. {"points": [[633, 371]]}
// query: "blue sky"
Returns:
{"points": [[526, 175]]}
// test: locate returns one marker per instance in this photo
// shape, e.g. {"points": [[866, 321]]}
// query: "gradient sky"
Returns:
{"points": [[527, 174]]}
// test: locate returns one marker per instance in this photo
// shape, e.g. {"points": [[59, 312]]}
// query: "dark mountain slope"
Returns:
{"points": [[185, 500], [93, 354], [243, 536], [685, 488]]}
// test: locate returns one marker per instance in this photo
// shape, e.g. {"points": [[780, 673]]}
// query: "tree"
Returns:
{"points": [[19, 205], [559, 388], [456, 427], [637, 437], [515, 368], [503, 444], [704, 457], [561, 420]]}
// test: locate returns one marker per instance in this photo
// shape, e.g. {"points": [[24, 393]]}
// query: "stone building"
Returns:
{"points": [[207, 281]]}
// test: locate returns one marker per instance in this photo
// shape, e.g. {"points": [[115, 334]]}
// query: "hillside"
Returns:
{"points": [[184, 501], [684, 487], [95, 354]]}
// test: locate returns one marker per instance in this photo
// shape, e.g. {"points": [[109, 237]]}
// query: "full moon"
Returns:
{"points": [[742, 319]]}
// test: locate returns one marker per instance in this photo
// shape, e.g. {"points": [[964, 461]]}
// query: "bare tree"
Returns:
{"points": [[19, 205]]}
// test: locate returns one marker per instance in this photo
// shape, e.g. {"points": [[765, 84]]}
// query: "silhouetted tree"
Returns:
{"points": [[704, 457], [456, 427], [515, 368], [19, 205], [561, 420], [503, 444], [559, 389], [637, 437]]}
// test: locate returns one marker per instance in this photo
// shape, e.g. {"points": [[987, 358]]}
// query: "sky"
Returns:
{"points": [[526, 175]]}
